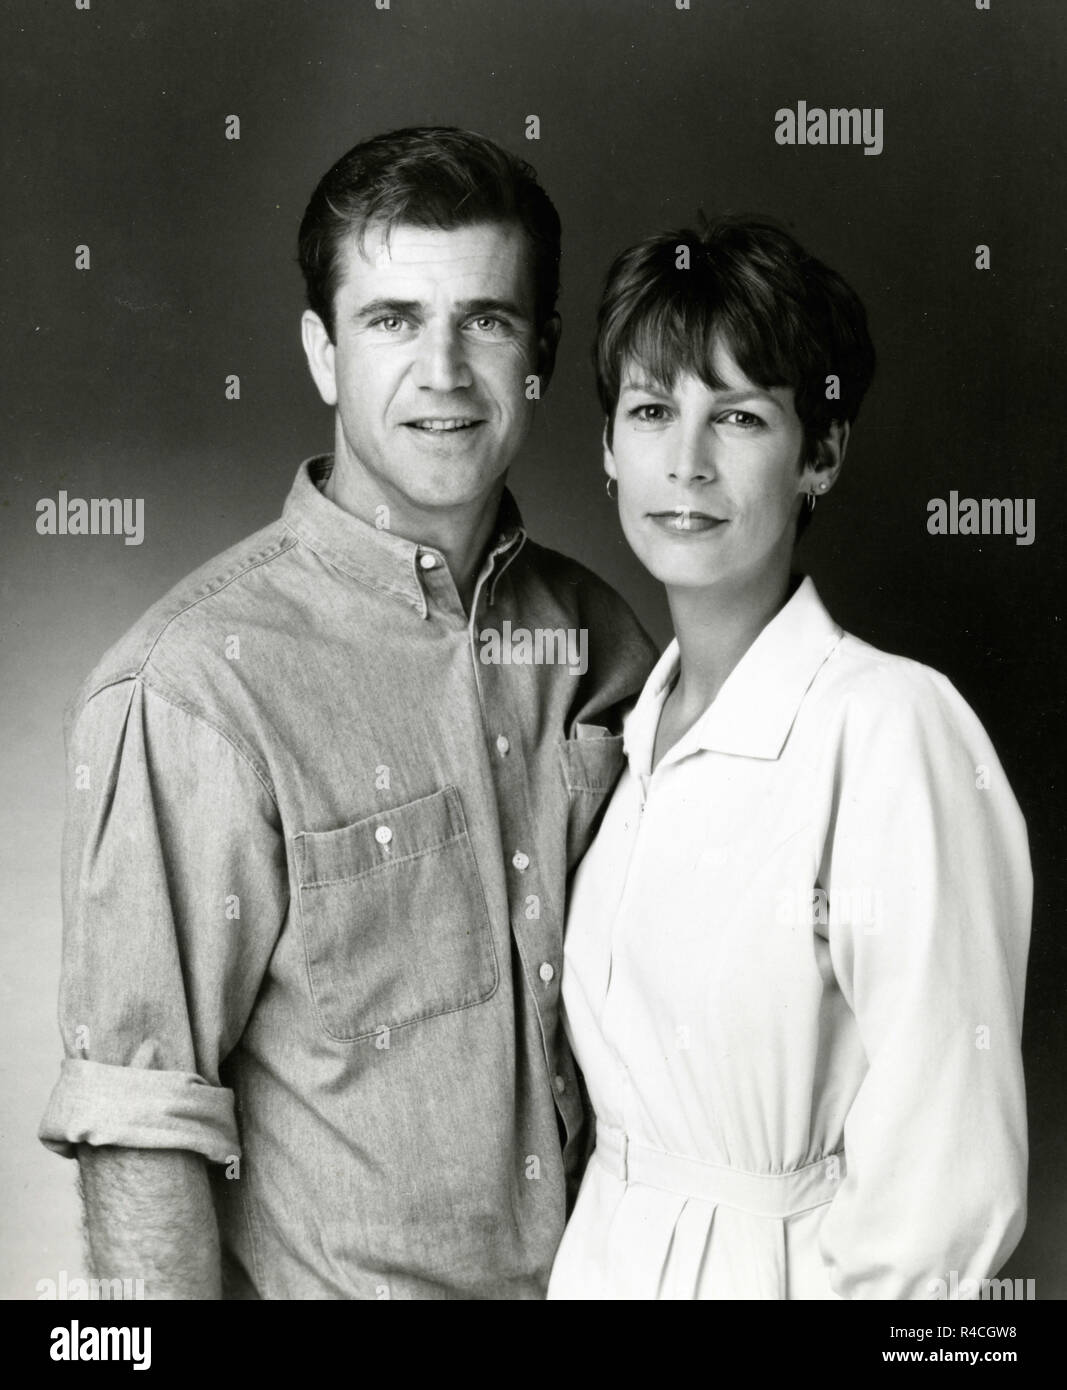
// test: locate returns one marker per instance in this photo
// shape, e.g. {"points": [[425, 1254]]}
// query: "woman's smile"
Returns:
{"points": [[685, 522]]}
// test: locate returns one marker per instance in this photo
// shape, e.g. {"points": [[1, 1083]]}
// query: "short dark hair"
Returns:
{"points": [[425, 176], [787, 319]]}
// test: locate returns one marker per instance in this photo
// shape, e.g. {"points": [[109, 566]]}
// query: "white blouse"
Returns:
{"points": [[793, 979]]}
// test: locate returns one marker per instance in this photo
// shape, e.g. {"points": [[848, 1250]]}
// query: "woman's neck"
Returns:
{"points": [[714, 628]]}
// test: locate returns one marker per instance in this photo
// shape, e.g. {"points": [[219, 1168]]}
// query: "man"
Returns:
{"points": [[317, 842]]}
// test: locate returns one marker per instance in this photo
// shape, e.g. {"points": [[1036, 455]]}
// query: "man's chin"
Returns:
{"points": [[413, 474], [453, 487]]}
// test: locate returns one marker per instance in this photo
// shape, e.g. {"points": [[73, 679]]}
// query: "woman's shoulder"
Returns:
{"points": [[886, 675], [893, 695], [888, 724]]}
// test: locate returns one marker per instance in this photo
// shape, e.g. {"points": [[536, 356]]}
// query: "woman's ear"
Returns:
{"points": [[821, 471], [609, 458]]}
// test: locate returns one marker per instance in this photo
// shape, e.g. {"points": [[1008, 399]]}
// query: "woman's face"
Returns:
{"points": [[710, 482]]}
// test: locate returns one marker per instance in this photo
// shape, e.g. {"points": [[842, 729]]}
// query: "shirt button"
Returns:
{"points": [[428, 562], [546, 972], [502, 745], [520, 860], [383, 834], [559, 1084]]}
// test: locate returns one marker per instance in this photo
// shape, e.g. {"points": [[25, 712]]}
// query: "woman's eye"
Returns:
{"points": [[649, 414], [741, 417]]}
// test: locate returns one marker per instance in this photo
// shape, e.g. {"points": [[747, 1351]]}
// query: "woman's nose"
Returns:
{"points": [[694, 460]]}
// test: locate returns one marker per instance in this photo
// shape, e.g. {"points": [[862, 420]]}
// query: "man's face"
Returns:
{"points": [[434, 340]]}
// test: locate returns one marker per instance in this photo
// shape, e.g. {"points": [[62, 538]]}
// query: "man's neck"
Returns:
{"points": [[461, 534]]}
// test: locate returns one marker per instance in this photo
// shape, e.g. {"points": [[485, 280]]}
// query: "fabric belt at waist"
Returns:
{"points": [[763, 1194]]}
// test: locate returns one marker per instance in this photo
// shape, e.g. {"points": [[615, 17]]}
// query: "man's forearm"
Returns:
{"points": [[149, 1216]]}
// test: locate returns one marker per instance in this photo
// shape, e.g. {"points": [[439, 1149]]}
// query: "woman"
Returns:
{"points": [[796, 952]]}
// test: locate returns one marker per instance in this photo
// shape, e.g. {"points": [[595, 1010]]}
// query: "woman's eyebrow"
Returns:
{"points": [[632, 383], [723, 400], [752, 393]]}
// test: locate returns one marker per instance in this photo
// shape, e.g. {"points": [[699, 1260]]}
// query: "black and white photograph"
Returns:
{"points": [[533, 663]]}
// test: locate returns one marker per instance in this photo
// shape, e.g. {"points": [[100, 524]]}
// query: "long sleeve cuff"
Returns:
{"points": [[132, 1108]]}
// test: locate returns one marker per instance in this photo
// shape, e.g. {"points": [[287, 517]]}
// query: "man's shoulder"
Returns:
{"points": [[197, 613], [580, 589], [568, 594]]}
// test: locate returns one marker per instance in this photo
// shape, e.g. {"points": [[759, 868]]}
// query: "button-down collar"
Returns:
{"points": [[375, 556], [753, 712]]}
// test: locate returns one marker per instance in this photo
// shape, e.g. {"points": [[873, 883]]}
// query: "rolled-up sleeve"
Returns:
{"points": [[174, 893], [930, 893]]}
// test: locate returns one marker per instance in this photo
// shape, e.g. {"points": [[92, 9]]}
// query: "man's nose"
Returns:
{"points": [[441, 362], [694, 459]]}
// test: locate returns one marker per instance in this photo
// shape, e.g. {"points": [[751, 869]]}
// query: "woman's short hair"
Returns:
{"points": [[425, 176], [787, 319]]}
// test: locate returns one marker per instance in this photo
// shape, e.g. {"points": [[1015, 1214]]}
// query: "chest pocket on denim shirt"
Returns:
{"points": [[591, 767], [394, 917]]}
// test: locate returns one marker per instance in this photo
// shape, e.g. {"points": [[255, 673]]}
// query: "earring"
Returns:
{"points": [[607, 488], [811, 497]]}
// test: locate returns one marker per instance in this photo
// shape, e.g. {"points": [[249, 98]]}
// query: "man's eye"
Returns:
{"points": [[391, 323], [743, 418], [487, 323]]}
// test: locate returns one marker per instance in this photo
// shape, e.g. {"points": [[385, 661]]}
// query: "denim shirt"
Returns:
{"points": [[319, 832]]}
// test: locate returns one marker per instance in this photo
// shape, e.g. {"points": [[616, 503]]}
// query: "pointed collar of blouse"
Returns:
{"points": [[755, 709]]}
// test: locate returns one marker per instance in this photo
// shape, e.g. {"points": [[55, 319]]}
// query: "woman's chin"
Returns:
{"points": [[676, 571]]}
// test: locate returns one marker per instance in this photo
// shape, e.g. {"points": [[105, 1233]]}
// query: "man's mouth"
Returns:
{"points": [[434, 425], [684, 520]]}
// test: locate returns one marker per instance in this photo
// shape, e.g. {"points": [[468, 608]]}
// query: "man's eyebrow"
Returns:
{"points": [[492, 306], [412, 308], [401, 307]]}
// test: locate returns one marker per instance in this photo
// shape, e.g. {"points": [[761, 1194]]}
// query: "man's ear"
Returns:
{"points": [[547, 343], [319, 351], [821, 472]]}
